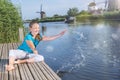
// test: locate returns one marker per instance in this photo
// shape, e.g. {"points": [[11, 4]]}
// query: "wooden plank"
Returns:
{"points": [[1, 46], [36, 72], [25, 72], [11, 73], [50, 71], [33, 72], [44, 72], [1, 59], [16, 71], [18, 76], [29, 75], [39, 71], [4, 62], [23, 76], [21, 34]]}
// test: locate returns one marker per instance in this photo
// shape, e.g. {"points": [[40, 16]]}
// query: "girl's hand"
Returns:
{"points": [[35, 52]]}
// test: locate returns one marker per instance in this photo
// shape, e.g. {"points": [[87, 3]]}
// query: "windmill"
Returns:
{"points": [[95, 4], [41, 12], [113, 5], [97, 8], [106, 4]]}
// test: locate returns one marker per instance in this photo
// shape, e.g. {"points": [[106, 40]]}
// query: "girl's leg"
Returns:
{"points": [[14, 54], [30, 60], [35, 58], [20, 61], [11, 64], [24, 60]]}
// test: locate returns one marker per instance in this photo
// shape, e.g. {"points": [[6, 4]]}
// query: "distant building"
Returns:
{"points": [[113, 5], [43, 15], [69, 19], [92, 8]]}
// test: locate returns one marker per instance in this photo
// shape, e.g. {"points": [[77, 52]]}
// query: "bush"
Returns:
{"points": [[10, 21]]}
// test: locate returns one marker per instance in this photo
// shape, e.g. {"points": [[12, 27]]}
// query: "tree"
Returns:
{"points": [[72, 11], [83, 12], [55, 15], [10, 21]]}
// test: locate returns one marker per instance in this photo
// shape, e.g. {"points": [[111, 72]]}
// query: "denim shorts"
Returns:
{"points": [[20, 54]]}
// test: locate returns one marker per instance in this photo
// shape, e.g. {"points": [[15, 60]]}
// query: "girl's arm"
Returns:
{"points": [[47, 38], [31, 45]]}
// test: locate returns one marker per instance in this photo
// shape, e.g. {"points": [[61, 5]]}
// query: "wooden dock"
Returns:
{"points": [[27, 71]]}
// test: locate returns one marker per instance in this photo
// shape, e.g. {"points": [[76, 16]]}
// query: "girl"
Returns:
{"points": [[27, 52]]}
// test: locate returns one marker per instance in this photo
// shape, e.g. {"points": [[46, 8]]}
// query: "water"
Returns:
{"points": [[88, 51]]}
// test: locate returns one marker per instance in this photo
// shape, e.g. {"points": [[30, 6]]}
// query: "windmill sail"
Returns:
{"points": [[113, 5], [106, 4]]}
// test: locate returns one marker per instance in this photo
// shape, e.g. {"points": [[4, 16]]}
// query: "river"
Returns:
{"points": [[87, 51]]}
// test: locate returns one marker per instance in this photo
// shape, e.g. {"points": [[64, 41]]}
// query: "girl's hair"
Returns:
{"points": [[38, 36], [32, 23]]}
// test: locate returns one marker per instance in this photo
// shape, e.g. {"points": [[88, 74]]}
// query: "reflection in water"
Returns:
{"points": [[44, 28]]}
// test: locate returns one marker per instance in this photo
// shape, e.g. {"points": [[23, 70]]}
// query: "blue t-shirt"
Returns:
{"points": [[24, 46]]}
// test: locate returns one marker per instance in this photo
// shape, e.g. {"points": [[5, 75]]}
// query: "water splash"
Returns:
{"points": [[80, 62], [111, 59], [78, 35], [115, 36], [76, 62], [49, 48], [96, 45], [53, 58]]}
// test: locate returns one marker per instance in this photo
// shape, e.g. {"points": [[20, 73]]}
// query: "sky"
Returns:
{"points": [[51, 7]]}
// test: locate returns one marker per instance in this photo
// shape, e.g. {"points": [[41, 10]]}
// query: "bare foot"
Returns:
{"points": [[9, 68], [30, 60], [17, 62]]}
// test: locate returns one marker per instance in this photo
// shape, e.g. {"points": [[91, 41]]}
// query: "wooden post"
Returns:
{"points": [[21, 34]]}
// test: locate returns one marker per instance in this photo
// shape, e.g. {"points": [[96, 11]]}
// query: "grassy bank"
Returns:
{"points": [[104, 16], [52, 19]]}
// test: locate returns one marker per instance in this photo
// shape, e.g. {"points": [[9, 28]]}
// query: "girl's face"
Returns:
{"points": [[35, 29]]}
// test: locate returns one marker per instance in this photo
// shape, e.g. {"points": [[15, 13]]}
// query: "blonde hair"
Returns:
{"points": [[38, 36]]}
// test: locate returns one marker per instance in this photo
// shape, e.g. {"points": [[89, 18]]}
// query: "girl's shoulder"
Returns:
{"points": [[28, 36]]}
